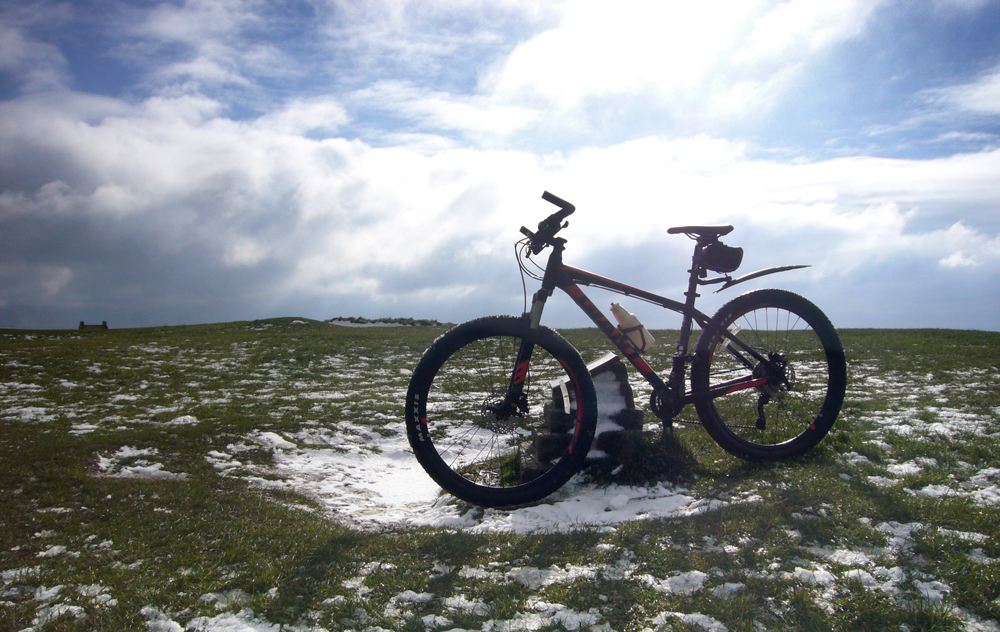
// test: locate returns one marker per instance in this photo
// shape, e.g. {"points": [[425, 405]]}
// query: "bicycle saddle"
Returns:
{"points": [[701, 231]]}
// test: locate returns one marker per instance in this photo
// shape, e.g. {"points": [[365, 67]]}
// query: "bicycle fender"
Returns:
{"points": [[756, 275]]}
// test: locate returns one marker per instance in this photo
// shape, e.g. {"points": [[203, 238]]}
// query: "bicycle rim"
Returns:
{"points": [[805, 376], [483, 448]]}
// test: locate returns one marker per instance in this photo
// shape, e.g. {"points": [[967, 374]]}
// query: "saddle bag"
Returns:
{"points": [[719, 257]]}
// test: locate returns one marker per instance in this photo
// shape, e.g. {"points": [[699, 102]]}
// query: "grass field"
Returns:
{"points": [[255, 476]]}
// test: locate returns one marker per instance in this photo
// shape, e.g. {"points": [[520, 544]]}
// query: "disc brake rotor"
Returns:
{"points": [[500, 416]]}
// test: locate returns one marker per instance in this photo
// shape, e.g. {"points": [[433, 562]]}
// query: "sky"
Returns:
{"points": [[199, 161]]}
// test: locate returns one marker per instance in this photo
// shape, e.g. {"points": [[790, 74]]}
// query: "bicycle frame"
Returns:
{"points": [[568, 279], [767, 376]]}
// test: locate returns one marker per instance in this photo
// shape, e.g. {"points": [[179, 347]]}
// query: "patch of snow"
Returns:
{"points": [[375, 480], [968, 536], [545, 615], [114, 467], [461, 602], [846, 557], [408, 596], [52, 551], [909, 468], [97, 594], [988, 496], [882, 481], [867, 579], [534, 578], [853, 458], [18, 574], [933, 491], [932, 590], [979, 557], [347, 323], [695, 619], [727, 589], [157, 621], [29, 414], [47, 614], [272, 441], [900, 534], [225, 600], [812, 577], [47, 594], [243, 621], [682, 584]]}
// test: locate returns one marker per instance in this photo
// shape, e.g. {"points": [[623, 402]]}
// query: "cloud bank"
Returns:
{"points": [[241, 161]]}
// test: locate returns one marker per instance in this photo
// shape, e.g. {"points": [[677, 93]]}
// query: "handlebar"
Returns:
{"points": [[548, 227], [567, 208]]}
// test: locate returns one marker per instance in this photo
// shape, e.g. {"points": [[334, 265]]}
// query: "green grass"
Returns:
{"points": [[855, 535]]}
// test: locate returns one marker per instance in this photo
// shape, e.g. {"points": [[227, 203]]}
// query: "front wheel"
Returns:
{"points": [[782, 401], [485, 442]]}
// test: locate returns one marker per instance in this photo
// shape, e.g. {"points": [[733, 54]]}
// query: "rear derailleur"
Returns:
{"points": [[780, 377]]}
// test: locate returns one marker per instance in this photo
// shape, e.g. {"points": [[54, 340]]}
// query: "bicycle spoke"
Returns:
{"points": [[472, 385], [790, 383]]}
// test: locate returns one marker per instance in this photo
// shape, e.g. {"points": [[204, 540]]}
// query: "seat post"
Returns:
{"points": [[691, 295]]}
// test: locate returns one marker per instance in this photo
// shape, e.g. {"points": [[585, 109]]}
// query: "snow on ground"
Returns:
{"points": [[372, 478], [376, 481], [365, 473], [127, 463]]}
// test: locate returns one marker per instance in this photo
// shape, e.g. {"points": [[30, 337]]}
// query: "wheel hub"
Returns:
{"points": [[500, 416], [780, 374]]}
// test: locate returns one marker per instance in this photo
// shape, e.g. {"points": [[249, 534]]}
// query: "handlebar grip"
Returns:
{"points": [[561, 203]]}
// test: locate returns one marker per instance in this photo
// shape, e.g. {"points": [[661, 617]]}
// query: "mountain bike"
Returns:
{"points": [[767, 375]]}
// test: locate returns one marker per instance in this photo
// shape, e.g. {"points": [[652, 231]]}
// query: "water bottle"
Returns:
{"points": [[734, 329], [629, 325]]}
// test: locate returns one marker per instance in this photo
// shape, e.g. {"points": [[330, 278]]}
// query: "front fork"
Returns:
{"points": [[514, 402]]}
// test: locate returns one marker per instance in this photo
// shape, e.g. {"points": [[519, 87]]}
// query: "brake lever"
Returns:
{"points": [[547, 229]]}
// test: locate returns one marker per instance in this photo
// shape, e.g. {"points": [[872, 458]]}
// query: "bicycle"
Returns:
{"points": [[767, 376]]}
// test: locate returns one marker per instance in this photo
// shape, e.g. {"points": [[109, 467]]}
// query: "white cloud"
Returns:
{"points": [[981, 96], [244, 251], [337, 215], [799, 27], [36, 65], [203, 70], [959, 260], [206, 45], [475, 115], [735, 56], [600, 50], [307, 116], [198, 21], [258, 209], [406, 182]]}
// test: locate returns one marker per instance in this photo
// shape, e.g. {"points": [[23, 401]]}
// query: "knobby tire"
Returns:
{"points": [[802, 398], [499, 459]]}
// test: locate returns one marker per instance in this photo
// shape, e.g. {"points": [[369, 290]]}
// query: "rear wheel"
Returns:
{"points": [[477, 443], [797, 389]]}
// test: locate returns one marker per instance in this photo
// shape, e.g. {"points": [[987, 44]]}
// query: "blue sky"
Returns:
{"points": [[189, 162]]}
